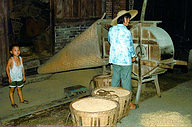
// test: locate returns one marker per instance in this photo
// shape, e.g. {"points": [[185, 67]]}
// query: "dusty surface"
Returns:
{"points": [[165, 118], [174, 108], [41, 93]]}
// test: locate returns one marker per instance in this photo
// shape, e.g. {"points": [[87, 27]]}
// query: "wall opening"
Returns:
{"points": [[30, 28]]}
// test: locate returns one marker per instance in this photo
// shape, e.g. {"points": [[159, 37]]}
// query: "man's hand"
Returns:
{"points": [[133, 59]]}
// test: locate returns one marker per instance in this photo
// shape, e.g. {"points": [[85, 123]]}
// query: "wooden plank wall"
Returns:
{"points": [[114, 6], [78, 9], [4, 44], [123, 4]]}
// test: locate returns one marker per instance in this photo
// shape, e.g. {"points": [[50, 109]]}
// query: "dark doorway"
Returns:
{"points": [[30, 27]]}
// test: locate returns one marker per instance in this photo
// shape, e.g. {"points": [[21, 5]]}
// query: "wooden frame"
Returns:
{"points": [[4, 41]]}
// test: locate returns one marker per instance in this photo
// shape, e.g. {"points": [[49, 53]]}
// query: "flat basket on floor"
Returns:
{"points": [[94, 111]]}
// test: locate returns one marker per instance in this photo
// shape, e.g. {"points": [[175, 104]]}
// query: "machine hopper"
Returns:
{"points": [[84, 51]]}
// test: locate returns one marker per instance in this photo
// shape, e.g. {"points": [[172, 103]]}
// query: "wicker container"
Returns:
{"points": [[102, 80], [119, 94], [94, 111]]}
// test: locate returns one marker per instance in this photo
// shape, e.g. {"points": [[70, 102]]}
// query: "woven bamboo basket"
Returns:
{"points": [[119, 94], [94, 111], [102, 80]]}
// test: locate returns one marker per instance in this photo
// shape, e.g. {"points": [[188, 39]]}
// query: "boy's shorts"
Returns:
{"points": [[16, 84]]}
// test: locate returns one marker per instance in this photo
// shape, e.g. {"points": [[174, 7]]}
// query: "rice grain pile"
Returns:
{"points": [[162, 118], [94, 105]]}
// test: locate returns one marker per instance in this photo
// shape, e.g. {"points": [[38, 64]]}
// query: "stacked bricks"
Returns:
{"points": [[116, 7], [113, 7], [123, 4], [65, 34], [109, 11]]}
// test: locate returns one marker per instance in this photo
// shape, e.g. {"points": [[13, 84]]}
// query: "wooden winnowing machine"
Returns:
{"points": [[153, 45]]}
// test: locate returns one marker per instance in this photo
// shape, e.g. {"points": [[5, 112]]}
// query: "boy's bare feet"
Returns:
{"points": [[25, 102], [14, 105]]}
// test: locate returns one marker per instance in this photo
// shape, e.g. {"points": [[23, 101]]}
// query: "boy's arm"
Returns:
{"points": [[7, 69], [23, 71]]}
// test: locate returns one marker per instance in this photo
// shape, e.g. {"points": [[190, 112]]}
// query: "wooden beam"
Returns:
{"points": [[143, 10]]}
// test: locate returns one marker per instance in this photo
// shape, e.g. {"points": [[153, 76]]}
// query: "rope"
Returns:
{"points": [[107, 94]]}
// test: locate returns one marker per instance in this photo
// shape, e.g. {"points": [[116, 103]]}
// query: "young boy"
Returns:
{"points": [[16, 74]]}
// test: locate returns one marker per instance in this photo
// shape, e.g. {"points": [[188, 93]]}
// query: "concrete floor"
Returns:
{"points": [[174, 108], [175, 102], [42, 94]]}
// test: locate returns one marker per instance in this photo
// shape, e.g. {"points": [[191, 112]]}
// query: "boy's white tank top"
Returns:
{"points": [[16, 73]]}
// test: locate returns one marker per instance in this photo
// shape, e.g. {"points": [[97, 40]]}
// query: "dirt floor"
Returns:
{"points": [[59, 115]]}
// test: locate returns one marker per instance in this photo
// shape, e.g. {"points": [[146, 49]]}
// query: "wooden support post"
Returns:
{"points": [[138, 92], [52, 24], [157, 85], [4, 38], [104, 69], [143, 10], [104, 66], [139, 55]]}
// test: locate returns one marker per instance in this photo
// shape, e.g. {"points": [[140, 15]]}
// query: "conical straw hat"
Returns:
{"points": [[133, 13]]}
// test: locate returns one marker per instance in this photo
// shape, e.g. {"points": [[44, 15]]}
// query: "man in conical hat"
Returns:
{"points": [[122, 52]]}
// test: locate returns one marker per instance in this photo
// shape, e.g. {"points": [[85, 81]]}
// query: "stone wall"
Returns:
{"points": [[65, 34]]}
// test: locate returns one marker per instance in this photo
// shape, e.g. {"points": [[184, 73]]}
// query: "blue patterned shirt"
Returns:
{"points": [[121, 45]]}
